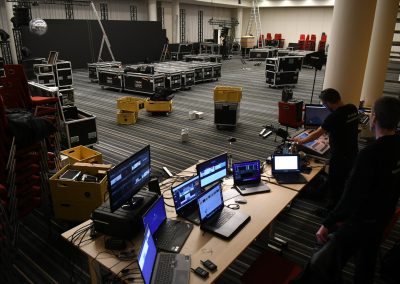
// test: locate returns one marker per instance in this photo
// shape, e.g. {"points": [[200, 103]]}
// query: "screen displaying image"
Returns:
{"points": [[213, 170], [286, 162]]}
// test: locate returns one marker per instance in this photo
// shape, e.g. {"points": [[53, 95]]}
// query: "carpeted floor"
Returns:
{"points": [[42, 257]]}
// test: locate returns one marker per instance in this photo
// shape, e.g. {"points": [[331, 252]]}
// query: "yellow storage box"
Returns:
{"points": [[125, 117], [247, 41], [227, 94], [158, 106], [75, 200], [83, 154], [130, 104]]}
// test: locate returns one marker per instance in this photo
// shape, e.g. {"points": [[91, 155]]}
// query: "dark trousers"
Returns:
{"points": [[339, 170], [350, 240]]}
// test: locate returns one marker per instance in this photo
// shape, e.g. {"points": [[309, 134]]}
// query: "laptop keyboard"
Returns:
{"points": [[288, 177], [223, 218], [164, 272], [169, 232]]}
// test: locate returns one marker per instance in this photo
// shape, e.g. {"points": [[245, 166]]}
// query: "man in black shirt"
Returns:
{"points": [[342, 126], [366, 207]]}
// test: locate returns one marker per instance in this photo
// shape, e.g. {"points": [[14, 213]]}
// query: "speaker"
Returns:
{"points": [[290, 113], [154, 186]]}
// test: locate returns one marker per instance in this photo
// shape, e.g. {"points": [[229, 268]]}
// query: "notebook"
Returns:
{"points": [[169, 235], [162, 267], [286, 169], [185, 196], [216, 218], [247, 178]]}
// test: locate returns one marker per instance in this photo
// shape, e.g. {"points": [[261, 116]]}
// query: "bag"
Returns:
{"points": [[390, 265]]}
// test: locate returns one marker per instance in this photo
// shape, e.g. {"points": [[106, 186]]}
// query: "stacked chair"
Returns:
{"points": [[322, 42], [302, 42], [310, 42]]}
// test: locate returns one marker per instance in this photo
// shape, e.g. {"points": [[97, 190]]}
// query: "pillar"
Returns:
{"points": [[9, 27], [379, 50], [239, 27], [348, 50], [152, 7], [175, 21]]}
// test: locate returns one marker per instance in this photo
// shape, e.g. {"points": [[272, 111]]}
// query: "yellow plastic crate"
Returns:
{"points": [[227, 94], [130, 104], [83, 154], [158, 106], [124, 117]]}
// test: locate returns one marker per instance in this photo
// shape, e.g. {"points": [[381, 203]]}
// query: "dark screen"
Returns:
{"points": [[314, 115]]}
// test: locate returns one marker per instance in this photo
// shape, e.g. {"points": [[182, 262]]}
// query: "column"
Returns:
{"points": [[175, 21], [239, 27], [379, 50], [152, 7], [8, 28], [348, 50]]}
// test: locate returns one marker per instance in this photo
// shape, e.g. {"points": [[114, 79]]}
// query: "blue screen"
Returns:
{"points": [[147, 256], [314, 115], [246, 172], [128, 177], [186, 192], [155, 216], [212, 170], [210, 202]]}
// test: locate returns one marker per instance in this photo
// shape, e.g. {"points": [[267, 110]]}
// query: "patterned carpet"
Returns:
{"points": [[44, 258]]}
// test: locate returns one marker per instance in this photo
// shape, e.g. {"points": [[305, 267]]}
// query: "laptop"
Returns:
{"points": [[185, 196], [216, 218], [169, 235], [162, 267], [247, 178], [286, 169]]}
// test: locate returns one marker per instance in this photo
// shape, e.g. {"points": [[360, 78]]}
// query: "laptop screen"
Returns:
{"points": [[210, 202], [314, 115], [212, 170], [285, 164], [154, 217], [246, 172], [147, 256], [186, 192]]}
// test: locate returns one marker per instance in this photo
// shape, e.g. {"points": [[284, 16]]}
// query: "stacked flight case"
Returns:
{"points": [[93, 68], [142, 82], [111, 77], [45, 74], [283, 71], [226, 106], [262, 53]]}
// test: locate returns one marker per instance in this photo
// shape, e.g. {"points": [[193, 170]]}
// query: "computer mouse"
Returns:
{"points": [[241, 200]]}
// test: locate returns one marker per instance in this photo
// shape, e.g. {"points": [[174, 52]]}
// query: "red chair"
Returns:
{"points": [[277, 36], [313, 38], [268, 36]]}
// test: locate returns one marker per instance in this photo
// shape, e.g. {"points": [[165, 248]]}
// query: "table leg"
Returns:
{"points": [[94, 270]]}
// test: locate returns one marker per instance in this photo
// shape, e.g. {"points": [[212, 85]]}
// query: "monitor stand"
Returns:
{"points": [[133, 203]]}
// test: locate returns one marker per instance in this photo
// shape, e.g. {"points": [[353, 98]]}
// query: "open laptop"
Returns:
{"points": [[185, 196], [216, 218], [169, 235], [247, 178], [286, 169], [162, 267]]}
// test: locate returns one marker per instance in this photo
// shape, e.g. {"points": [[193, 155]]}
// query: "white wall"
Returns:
{"points": [[291, 22]]}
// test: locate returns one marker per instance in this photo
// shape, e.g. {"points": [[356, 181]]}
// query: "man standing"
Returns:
{"points": [[342, 127], [366, 207]]}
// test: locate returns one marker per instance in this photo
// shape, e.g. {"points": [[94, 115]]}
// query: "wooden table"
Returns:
{"points": [[263, 209]]}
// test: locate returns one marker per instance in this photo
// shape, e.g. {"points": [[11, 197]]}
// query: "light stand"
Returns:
{"points": [[230, 162]]}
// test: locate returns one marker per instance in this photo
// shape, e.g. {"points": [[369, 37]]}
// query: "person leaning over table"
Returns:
{"points": [[357, 224], [342, 126]]}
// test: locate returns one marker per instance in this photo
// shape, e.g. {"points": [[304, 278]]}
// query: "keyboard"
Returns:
{"points": [[222, 218], [164, 272], [289, 178], [168, 234]]}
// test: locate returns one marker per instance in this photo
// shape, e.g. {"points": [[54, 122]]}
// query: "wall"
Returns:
{"points": [[291, 22]]}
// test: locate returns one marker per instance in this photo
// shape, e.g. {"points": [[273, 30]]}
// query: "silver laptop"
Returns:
{"points": [[286, 169]]}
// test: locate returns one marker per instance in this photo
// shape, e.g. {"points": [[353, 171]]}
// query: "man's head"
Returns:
{"points": [[330, 98], [386, 113]]}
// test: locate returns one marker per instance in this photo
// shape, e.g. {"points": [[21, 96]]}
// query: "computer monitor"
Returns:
{"points": [[314, 115], [127, 178], [212, 170]]}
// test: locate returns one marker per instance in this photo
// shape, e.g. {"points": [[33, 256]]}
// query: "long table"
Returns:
{"points": [[263, 209]]}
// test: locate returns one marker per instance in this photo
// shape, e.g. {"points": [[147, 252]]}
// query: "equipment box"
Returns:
{"points": [[247, 41], [143, 83], [207, 71], [173, 78], [93, 68], [130, 104], [187, 78], [227, 94], [64, 77], [46, 79], [111, 78], [74, 199], [82, 154], [158, 106], [41, 69], [226, 114], [262, 53], [281, 78], [217, 67], [67, 96], [124, 117], [80, 129]]}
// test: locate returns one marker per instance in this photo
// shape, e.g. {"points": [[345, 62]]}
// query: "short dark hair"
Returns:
{"points": [[330, 95], [387, 112]]}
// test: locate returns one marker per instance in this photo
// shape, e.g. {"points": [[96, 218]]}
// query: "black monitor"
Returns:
{"points": [[212, 170], [314, 115], [127, 178]]}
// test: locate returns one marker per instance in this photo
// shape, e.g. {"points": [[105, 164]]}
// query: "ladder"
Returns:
{"points": [[164, 52], [255, 20]]}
